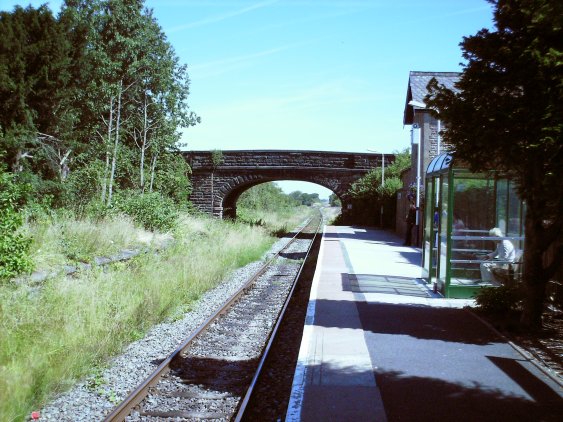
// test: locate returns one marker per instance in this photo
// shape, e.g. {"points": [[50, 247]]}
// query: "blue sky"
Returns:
{"points": [[308, 74]]}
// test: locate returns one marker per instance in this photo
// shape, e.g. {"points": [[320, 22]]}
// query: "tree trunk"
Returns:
{"points": [[107, 143], [534, 274], [144, 145], [64, 169], [142, 169], [153, 170], [116, 143], [16, 164]]}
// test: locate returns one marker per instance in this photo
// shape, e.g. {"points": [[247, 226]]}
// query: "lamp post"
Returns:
{"points": [[382, 165]]}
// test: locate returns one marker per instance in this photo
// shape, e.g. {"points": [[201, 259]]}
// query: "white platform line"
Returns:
{"points": [[297, 388]]}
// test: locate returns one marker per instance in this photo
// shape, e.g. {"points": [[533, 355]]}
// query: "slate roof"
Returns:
{"points": [[416, 90]]}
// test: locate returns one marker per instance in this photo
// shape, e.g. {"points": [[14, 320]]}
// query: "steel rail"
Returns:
{"points": [[134, 398], [249, 392]]}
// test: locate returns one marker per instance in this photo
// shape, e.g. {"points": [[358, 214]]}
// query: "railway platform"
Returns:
{"points": [[378, 345]]}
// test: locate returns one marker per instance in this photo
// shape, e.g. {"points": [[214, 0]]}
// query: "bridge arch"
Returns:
{"points": [[218, 183], [230, 197]]}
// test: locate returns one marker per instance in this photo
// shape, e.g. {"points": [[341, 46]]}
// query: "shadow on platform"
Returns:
{"points": [[418, 321]]}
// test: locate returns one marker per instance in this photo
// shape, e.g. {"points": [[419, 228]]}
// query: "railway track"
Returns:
{"points": [[211, 375]]}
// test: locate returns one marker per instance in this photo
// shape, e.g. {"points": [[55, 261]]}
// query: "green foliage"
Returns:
{"points": [[266, 197], [35, 80], [392, 185], [217, 158], [500, 300], [367, 186], [83, 184], [508, 100], [172, 178], [304, 198], [58, 334], [334, 201], [370, 186], [151, 210], [14, 245], [60, 81], [37, 209], [268, 206]]}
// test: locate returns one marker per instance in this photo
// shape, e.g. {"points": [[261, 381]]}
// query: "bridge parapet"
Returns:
{"points": [[280, 158]]}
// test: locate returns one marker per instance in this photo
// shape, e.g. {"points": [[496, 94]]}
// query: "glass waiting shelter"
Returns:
{"points": [[460, 209]]}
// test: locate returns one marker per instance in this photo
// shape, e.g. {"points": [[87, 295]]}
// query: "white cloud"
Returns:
{"points": [[226, 65], [222, 17]]}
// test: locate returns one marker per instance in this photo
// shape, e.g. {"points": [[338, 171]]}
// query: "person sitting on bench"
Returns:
{"points": [[504, 254]]}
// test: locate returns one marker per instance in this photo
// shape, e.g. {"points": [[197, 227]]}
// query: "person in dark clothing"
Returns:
{"points": [[410, 220]]}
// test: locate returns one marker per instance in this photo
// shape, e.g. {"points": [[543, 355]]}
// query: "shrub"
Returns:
{"points": [[151, 210], [83, 185], [14, 245], [172, 178], [500, 300]]}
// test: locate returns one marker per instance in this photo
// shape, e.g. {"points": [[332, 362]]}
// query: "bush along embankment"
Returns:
{"points": [[58, 330]]}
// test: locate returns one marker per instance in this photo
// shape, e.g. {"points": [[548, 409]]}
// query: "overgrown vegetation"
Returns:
{"points": [[375, 187], [151, 210], [55, 332], [14, 243]]}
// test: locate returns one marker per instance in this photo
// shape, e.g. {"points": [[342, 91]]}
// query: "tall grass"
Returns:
{"points": [[52, 335], [62, 238]]}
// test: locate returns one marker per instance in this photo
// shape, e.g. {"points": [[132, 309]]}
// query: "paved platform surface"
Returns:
{"points": [[378, 345]]}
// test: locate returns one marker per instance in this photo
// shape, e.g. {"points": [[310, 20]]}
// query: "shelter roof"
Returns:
{"points": [[440, 164]]}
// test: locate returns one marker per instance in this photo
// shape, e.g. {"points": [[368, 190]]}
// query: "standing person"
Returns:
{"points": [[410, 220], [504, 254]]}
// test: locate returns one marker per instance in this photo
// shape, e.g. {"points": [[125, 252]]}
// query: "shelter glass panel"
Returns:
{"points": [[473, 216], [461, 209]]}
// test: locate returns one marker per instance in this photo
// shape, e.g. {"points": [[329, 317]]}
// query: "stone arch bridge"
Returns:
{"points": [[220, 177]]}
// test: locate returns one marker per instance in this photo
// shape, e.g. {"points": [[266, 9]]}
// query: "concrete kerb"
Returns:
{"points": [[297, 390]]}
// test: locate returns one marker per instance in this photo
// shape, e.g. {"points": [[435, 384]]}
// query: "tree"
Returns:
{"points": [[34, 79], [506, 115], [136, 91], [97, 91], [334, 201], [304, 198], [265, 197]]}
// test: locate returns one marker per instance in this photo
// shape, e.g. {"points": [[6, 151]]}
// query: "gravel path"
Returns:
{"points": [[94, 397]]}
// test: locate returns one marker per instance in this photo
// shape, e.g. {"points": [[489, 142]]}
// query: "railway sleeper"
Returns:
{"points": [[184, 414]]}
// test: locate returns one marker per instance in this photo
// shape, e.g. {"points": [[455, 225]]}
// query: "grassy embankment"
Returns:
{"points": [[57, 332]]}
